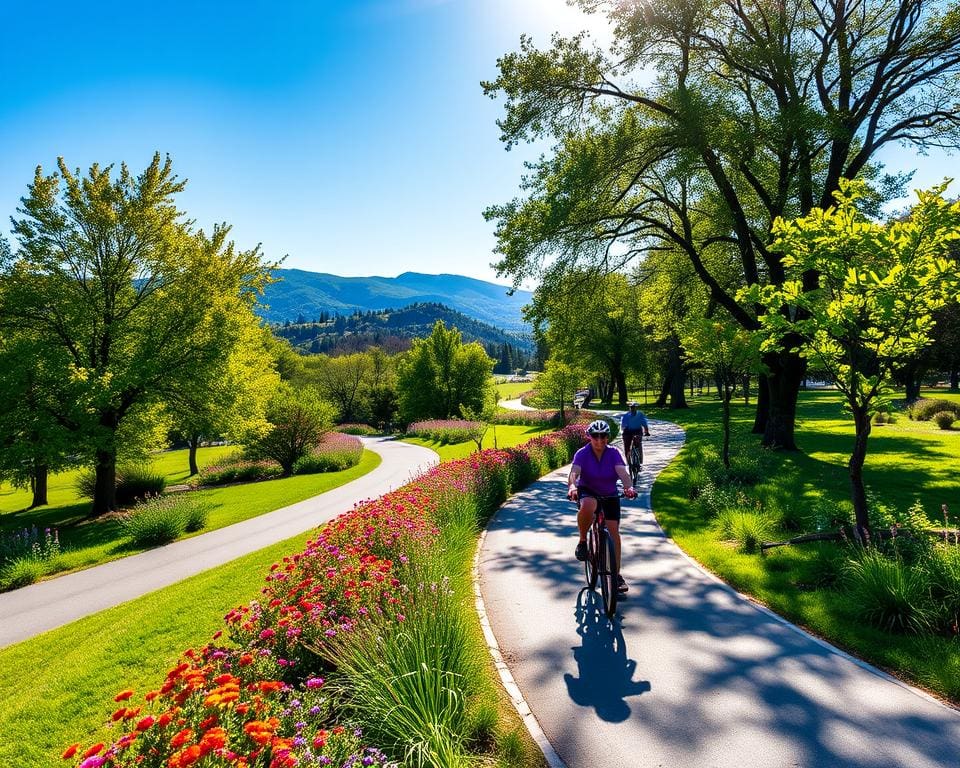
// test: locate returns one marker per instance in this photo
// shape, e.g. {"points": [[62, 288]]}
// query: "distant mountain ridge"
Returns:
{"points": [[393, 330], [300, 293]]}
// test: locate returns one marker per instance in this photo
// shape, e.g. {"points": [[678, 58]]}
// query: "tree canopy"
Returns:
{"points": [[131, 303], [879, 286], [706, 122]]}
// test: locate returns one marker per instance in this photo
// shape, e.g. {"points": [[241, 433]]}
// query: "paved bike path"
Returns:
{"points": [[49, 604], [692, 675]]}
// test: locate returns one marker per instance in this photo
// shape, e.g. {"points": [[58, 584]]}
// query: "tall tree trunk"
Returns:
{"points": [[858, 492], [762, 414], [785, 373], [38, 484], [673, 382], [913, 389], [727, 394], [621, 379], [746, 389], [193, 442], [105, 486]]}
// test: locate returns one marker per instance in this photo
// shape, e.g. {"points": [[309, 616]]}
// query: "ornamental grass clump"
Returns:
{"points": [[747, 529], [162, 519], [134, 483], [888, 593]]}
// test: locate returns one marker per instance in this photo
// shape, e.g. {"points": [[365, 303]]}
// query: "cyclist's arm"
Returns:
{"points": [[646, 426], [624, 475], [572, 481]]}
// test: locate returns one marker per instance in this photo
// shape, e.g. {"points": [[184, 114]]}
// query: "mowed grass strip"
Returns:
{"points": [[906, 461], [89, 542]]}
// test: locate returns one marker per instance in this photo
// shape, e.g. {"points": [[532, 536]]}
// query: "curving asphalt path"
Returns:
{"points": [[49, 604], [691, 674]]}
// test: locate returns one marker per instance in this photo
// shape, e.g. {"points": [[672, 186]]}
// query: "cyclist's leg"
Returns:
{"points": [[627, 439], [611, 516], [585, 515]]}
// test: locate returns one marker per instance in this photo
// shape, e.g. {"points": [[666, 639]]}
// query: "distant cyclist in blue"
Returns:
{"points": [[632, 424]]}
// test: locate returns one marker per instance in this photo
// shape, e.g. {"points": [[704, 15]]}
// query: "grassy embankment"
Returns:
{"points": [[87, 542], [907, 461], [75, 669]]}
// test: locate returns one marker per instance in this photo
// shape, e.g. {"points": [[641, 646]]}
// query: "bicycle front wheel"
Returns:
{"points": [[590, 564], [636, 463], [608, 573]]}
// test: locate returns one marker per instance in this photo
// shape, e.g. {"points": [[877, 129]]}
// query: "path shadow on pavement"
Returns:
{"points": [[605, 677]]}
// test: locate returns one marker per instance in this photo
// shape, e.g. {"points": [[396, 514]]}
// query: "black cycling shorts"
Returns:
{"points": [[609, 504]]}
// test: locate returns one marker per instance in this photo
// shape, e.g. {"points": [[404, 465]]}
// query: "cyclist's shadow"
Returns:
{"points": [[606, 674]]}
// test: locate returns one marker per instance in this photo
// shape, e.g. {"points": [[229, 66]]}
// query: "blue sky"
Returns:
{"points": [[353, 137]]}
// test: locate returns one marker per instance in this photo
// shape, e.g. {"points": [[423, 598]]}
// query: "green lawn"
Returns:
{"points": [[74, 671], [511, 390], [62, 493], [906, 461], [507, 436], [88, 542]]}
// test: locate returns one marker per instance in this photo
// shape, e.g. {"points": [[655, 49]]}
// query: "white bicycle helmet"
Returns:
{"points": [[598, 427]]}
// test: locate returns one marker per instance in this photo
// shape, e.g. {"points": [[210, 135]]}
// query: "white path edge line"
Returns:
{"points": [[516, 697]]}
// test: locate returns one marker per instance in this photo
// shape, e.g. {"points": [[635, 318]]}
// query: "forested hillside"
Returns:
{"points": [[393, 329]]}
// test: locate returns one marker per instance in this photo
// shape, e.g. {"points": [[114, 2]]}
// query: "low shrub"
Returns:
{"points": [[162, 519], [239, 470], [944, 419], [357, 429], [21, 572], [334, 454], [944, 568], [924, 408], [888, 593]]}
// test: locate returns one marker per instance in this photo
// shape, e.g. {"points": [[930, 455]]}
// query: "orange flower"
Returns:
{"points": [[93, 750], [123, 695], [245, 660], [118, 714], [185, 758], [181, 738], [215, 738], [164, 720], [152, 695], [70, 751]]}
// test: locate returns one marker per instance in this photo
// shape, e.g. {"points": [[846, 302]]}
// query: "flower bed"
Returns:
{"points": [[257, 696], [445, 431], [540, 418]]}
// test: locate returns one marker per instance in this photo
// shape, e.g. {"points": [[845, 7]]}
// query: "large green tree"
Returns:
{"points": [[593, 323], [879, 286], [118, 284], [707, 121], [441, 375]]}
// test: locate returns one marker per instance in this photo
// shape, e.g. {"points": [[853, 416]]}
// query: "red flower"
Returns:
{"points": [[123, 695], [70, 751], [93, 750]]}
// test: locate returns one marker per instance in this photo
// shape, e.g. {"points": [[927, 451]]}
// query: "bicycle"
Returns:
{"points": [[636, 459], [601, 562]]}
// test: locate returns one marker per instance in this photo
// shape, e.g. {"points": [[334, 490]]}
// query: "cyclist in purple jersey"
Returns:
{"points": [[593, 481]]}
